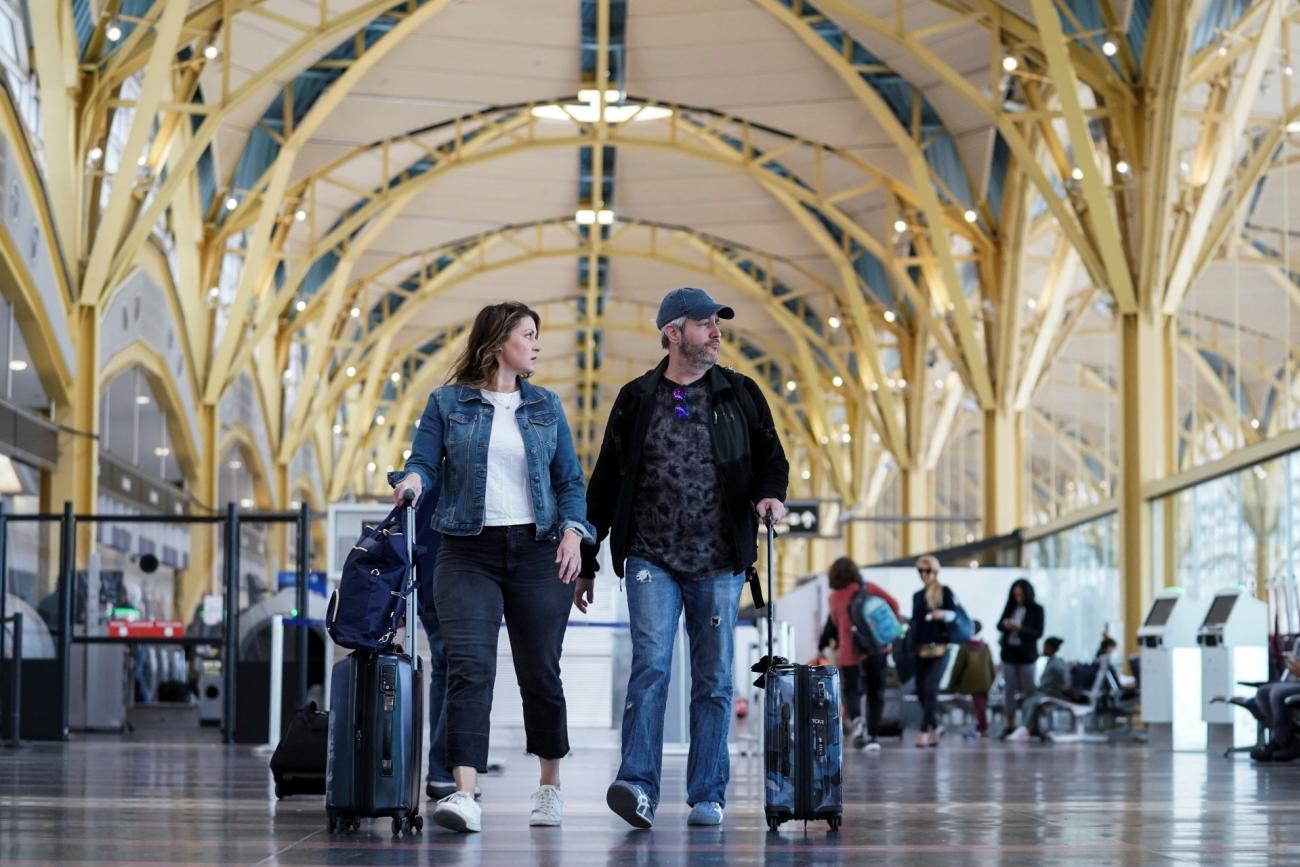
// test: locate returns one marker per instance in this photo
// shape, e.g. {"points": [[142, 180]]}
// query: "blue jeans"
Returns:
{"points": [[438, 772], [655, 601]]}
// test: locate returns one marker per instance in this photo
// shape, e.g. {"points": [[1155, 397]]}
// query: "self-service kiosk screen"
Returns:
{"points": [[1160, 612], [1219, 611]]}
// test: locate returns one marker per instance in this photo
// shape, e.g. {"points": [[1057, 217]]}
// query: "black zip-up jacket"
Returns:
{"points": [[1031, 629], [751, 463]]}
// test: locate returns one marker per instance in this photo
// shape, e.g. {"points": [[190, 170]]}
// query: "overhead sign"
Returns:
{"points": [[811, 519]]}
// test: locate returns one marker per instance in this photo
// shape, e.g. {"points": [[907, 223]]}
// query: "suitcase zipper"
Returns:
{"points": [[803, 766]]}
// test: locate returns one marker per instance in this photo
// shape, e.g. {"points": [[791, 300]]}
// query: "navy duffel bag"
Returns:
{"points": [[365, 612]]}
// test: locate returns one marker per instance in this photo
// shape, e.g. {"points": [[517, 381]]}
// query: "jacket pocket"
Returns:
{"points": [[459, 428]]}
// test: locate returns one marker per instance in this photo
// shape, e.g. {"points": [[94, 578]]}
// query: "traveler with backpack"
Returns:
{"points": [[1021, 625], [512, 513], [934, 609], [862, 655]]}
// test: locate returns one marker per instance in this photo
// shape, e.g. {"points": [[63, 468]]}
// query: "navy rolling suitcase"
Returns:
{"points": [[801, 735], [376, 727]]}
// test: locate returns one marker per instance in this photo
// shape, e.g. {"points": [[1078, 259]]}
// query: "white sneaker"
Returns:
{"points": [[548, 807], [458, 812], [1020, 735]]}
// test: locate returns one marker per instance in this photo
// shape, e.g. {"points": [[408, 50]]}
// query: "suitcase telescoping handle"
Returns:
{"points": [[771, 593], [408, 515]]}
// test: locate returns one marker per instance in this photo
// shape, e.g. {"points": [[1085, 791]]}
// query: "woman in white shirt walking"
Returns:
{"points": [[512, 513]]}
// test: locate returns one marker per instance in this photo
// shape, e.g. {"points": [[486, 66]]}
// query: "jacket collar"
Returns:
{"points": [[528, 393], [649, 381]]}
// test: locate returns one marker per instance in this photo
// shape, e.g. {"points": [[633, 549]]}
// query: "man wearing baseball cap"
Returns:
{"points": [[689, 462]]}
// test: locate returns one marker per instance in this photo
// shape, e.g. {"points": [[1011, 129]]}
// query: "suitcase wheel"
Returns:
{"points": [[399, 825], [834, 822], [773, 825]]}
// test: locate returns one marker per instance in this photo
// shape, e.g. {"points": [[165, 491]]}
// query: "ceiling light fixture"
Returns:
{"points": [[300, 306], [971, 216], [1121, 167], [396, 377], [1109, 48], [351, 371], [96, 154], [890, 316], [211, 52], [791, 385], [837, 381], [354, 312], [113, 33], [18, 365], [1010, 64], [300, 215], [834, 322], [142, 399], [231, 203], [900, 225], [1077, 173], [587, 109]]}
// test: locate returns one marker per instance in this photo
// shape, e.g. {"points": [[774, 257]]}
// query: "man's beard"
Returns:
{"points": [[700, 355]]}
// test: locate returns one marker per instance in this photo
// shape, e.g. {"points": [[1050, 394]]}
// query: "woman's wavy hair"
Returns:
{"points": [[477, 365]]}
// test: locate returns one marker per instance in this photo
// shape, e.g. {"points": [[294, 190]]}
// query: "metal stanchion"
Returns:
{"points": [[230, 653], [277, 681], [67, 591], [300, 638], [16, 680]]}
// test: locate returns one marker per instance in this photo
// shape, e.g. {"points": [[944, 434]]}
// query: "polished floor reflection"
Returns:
{"points": [[109, 800]]}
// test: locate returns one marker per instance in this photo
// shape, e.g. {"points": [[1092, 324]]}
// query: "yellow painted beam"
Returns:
{"points": [[54, 53], [1146, 451], [922, 180], [1189, 246], [1100, 212], [258, 268], [157, 77]]}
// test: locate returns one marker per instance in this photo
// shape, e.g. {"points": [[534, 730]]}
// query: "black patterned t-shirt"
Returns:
{"points": [[678, 521]]}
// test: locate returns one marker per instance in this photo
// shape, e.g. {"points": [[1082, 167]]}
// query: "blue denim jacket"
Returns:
{"points": [[451, 449]]}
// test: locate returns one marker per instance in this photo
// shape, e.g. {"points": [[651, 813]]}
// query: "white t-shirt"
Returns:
{"points": [[507, 501]]}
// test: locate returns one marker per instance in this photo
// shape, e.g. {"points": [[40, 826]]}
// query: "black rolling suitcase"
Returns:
{"points": [[376, 727], [298, 763], [801, 735]]}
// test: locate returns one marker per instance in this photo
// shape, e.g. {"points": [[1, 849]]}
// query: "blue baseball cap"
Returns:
{"points": [[691, 303]]}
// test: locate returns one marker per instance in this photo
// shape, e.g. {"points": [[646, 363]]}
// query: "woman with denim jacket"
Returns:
{"points": [[512, 514]]}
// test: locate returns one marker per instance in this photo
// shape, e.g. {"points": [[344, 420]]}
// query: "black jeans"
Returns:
{"points": [[929, 672], [873, 673], [851, 687], [502, 571]]}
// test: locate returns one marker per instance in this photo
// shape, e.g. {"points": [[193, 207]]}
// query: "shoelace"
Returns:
{"points": [[454, 798], [642, 802], [546, 800]]}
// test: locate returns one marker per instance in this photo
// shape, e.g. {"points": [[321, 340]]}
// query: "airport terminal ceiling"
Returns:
{"points": [[959, 234]]}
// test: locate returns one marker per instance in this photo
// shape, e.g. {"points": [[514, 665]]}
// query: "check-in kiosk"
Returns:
{"points": [[1171, 672], [1234, 647]]}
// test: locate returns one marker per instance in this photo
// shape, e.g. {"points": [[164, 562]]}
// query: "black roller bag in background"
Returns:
{"points": [[298, 763]]}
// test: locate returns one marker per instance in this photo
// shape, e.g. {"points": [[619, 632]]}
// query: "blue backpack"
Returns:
{"points": [[366, 610], [874, 623]]}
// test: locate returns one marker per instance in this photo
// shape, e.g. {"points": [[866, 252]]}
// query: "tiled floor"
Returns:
{"points": [[110, 800]]}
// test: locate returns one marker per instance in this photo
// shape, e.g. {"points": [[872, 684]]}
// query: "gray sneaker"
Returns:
{"points": [[630, 803]]}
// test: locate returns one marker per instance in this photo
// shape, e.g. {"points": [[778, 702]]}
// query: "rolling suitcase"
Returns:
{"points": [[801, 734], [376, 726]]}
